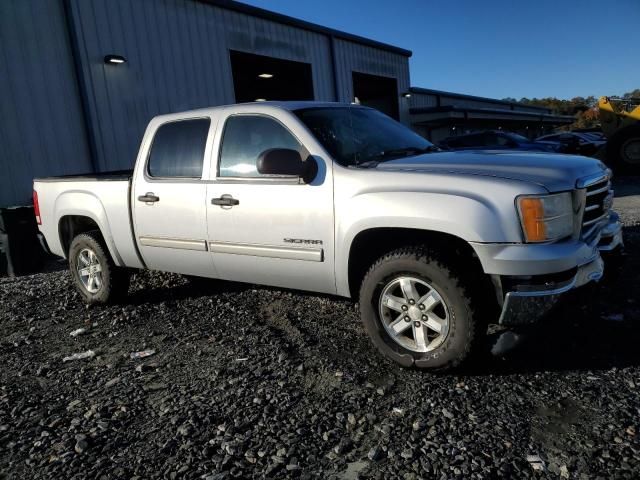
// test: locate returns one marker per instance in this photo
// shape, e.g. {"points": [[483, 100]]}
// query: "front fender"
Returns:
{"points": [[86, 204], [471, 218]]}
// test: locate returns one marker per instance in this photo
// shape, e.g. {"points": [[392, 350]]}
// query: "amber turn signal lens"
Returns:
{"points": [[532, 212]]}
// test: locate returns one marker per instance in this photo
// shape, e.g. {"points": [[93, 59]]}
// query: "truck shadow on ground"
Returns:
{"points": [[562, 343], [596, 327], [184, 290]]}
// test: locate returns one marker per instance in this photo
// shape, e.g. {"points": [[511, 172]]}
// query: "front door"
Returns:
{"points": [[265, 229], [169, 199]]}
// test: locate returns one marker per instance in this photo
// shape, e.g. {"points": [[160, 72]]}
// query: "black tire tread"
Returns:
{"points": [[118, 279], [450, 266]]}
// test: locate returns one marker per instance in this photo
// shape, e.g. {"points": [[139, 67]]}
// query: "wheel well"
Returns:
{"points": [[369, 245], [72, 225]]}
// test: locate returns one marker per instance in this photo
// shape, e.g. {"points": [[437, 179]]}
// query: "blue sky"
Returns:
{"points": [[497, 48]]}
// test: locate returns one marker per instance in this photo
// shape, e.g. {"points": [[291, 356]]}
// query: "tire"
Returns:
{"points": [[622, 150], [462, 330], [112, 283]]}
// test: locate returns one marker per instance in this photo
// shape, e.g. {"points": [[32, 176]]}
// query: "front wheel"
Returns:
{"points": [[94, 273], [417, 311]]}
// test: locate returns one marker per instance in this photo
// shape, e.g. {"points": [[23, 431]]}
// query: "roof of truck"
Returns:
{"points": [[258, 106]]}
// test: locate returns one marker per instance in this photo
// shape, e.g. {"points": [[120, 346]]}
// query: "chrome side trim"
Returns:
{"points": [[596, 220], [271, 251], [179, 243], [600, 190]]}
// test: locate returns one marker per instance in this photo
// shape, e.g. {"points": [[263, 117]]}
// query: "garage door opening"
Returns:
{"points": [[257, 77], [377, 92]]}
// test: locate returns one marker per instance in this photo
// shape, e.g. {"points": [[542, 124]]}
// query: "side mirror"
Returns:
{"points": [[280, 161], [284, 161]]}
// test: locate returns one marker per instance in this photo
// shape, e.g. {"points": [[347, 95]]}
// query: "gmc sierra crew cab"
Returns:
{"points": [[342, 200]]}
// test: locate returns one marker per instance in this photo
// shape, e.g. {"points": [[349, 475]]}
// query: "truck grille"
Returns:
{"points": [[598, 203]]}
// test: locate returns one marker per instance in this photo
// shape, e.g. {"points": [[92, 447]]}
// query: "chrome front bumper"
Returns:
{"points": [[528, 303], [611, 234]]}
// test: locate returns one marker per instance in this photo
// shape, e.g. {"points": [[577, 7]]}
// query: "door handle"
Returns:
{"points": [[225, 200], [149, 197]]}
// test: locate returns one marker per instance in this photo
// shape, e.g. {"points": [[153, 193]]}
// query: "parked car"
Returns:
{"points": [[580, 143], [497, 140], [342, 200]]}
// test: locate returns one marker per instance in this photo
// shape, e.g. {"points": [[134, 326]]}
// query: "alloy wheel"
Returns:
{"points": [[89, 270], [414, 314]]}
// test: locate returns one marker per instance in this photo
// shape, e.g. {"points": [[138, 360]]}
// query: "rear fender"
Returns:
{"points": [[86, 204]]}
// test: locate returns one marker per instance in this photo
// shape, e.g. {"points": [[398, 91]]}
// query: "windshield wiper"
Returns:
{"points": [[403, 152], [395, 153]]}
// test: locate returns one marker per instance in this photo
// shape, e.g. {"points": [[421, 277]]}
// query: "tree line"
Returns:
{"points": [[584, 109]]}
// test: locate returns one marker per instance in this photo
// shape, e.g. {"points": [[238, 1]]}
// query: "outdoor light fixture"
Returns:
{"points": [[261, 99], [406, 95], [114, 59], [266, 75]]}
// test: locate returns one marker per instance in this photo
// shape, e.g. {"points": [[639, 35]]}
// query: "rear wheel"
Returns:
{"points": [[94, 273], [417, 311]]}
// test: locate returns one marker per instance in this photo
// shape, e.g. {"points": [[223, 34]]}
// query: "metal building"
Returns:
{"points": [[436, 115], [81, 78]]}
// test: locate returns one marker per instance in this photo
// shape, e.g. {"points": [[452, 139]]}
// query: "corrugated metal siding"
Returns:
{"points": [[472, 103], [531, 109], [468, 103], [41, 127], [177, 55], [422, 100], [426, 100], [177, 59], [352, 57]]}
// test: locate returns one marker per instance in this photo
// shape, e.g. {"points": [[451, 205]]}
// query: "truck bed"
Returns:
{"points": [[116, 175], [102, 197]]}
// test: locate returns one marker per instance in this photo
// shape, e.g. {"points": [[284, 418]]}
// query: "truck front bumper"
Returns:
{"points": [[523, 306], [527, 298]]}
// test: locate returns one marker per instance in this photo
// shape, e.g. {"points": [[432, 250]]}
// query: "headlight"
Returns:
{"points": [[546, 217]]}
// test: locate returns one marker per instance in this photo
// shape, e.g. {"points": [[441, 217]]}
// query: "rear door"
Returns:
{"points": [[168, 198], [276, 230]]}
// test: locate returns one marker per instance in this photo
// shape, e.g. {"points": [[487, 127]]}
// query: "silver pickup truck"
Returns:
{"points": [[343, 200]]}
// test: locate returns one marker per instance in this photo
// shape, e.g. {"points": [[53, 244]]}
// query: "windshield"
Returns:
{"points": [[356, 135]]}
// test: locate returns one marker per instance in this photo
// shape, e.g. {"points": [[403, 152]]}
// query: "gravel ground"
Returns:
{"points": [[253, 382]]}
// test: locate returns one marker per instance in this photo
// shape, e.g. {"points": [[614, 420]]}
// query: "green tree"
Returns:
{"points": [[632, 94], [584, 109]]}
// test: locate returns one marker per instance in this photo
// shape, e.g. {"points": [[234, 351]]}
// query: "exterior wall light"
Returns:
{"points": [[406, 95], [114, 59], [266, 75]]}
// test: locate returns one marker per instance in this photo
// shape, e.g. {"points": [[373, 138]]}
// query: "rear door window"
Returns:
{"points": [[178, 149]]}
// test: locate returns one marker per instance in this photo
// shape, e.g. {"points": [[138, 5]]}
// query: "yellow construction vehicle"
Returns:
{"points": [[620, 119]]}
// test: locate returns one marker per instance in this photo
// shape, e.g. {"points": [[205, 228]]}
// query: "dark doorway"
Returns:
{"points": [[377, 92], [257, 77]]}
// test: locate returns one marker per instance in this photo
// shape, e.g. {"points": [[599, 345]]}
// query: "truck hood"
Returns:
{"points": [[555, 172]]}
